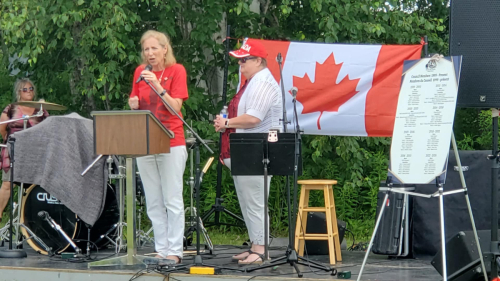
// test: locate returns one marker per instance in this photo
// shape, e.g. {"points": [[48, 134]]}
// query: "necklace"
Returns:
{"points": [[161, 76]]}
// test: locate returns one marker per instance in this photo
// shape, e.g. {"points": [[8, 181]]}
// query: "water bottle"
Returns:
{"points": [[223, 114]]}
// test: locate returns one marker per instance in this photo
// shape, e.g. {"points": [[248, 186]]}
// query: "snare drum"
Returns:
{"points": [[37, 199]]}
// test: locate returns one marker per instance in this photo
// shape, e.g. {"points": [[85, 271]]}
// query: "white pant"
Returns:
{"points": [[250, 191], [162, 178]]}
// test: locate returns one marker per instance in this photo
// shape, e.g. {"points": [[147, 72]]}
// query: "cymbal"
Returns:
{"points": [[43, 104]]}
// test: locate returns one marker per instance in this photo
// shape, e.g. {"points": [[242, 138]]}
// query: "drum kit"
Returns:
{"points": [[67, 230], [43, 220]]}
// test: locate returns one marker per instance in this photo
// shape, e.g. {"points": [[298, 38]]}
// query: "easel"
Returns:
{"points": [[443, 124], [440, 193]]}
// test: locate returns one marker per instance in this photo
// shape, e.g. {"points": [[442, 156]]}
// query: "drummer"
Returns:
{"points": [[24, 90]]}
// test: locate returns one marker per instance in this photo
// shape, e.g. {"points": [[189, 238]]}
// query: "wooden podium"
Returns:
{"points": [[131, 134]]}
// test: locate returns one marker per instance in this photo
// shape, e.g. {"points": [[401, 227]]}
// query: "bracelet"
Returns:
{"points": [[163, 93], [226, 124]]}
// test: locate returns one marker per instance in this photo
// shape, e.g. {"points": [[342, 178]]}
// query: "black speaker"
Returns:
{"points": [[475, 34], [316, 223], [462, 257]]}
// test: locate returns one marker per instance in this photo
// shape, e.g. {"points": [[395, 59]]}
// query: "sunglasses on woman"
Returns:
{"points": [[30, 88], [243, 60]]}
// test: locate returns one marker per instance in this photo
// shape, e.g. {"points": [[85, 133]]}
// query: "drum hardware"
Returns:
{"points": [[10, 252], [192, 223], [107, 234], [120, 176], [142, 236], [4, 231], [36, 238]]}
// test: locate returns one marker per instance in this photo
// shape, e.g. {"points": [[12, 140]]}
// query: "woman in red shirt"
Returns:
{"points": [[162, 174]]}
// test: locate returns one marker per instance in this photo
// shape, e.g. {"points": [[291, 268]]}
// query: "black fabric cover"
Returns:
{"points": [[426, 226]]}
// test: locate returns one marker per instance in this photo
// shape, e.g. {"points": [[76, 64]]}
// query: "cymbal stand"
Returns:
{"points": [[16, 220], [192, 223], [142, 236], [20, 192], [4, 231], [120, 176]]}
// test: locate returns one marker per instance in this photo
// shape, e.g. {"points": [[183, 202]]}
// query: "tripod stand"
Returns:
{"points": [[218, 208], [193, 223], [291, 257], [12, 253]]}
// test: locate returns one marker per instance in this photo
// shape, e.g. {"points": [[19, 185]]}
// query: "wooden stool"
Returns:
{"points": [[332, 234]]}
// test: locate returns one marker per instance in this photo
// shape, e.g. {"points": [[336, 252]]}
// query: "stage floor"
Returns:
{"points": [[39, 267]]}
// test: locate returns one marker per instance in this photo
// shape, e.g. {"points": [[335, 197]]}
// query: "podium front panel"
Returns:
{"points": [[120, 135]]}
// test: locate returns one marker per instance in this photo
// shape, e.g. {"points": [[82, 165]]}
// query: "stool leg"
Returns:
{"points": [[303, 223], [338, 252], [329, 221], [298, 230]]}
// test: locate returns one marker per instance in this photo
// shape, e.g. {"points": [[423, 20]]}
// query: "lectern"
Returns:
{"points": [[129, 134]]}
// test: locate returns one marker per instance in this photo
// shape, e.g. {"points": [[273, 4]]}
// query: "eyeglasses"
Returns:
{"points": [[30, 88], [243, 60]]}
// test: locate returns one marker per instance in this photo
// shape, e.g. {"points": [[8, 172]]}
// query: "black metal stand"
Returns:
{"points": [[493, 256], [291, 257], [12, 253], [218, 208]]}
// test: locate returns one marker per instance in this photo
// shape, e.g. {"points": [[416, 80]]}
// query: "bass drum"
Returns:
{"points": [[37, 199]]}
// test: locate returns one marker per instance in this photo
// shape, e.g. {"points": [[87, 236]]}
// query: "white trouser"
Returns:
{"points": [[162, 178], [250, 191]]}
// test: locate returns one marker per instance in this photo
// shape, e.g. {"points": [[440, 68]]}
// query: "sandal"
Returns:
{"points": [[259, 260], [174, 261], [234, 258]]}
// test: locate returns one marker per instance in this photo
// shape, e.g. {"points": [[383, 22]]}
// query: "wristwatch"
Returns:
{"points": [[163, 93], [226, 124]]}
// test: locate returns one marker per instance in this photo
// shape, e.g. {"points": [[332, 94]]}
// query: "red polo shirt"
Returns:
{"points": [[175, 82]]}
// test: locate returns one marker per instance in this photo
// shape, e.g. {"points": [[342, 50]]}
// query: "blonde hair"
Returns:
{"points": [[164, 41], [18, 87]]}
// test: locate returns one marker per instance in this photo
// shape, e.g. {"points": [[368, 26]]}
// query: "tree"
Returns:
{"points": [[82, 53]]}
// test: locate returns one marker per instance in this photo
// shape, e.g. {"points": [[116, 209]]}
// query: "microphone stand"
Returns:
{"points": [[198, 260], [291, 257], [167, 105]]}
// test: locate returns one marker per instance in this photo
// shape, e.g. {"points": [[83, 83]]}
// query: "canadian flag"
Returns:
{"points": [[343, 90]]}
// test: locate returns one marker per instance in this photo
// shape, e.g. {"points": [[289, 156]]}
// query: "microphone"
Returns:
{"points": [[294, 91], [43, 214], [148, 68]]}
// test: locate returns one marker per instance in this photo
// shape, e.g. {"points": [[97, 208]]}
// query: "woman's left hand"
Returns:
{"points": [[219, 123]]}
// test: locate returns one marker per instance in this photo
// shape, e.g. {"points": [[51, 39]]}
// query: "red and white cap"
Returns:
{"points": [[252, 47]]}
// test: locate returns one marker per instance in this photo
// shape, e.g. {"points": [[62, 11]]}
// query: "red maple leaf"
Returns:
{"points": [[324, 94]]}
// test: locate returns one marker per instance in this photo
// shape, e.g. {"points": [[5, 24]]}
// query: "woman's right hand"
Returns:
{"points": [[133, 103]]}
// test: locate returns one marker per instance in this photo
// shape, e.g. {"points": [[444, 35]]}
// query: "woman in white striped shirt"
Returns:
{"points": [[256, 108]]}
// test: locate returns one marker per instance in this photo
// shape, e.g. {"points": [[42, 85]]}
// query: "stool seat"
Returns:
{"points": [[332, 182], [332, 235]]}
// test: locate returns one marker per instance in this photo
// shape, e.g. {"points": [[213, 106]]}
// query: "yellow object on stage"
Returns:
{"points": [[202, 270], [332, 235]]}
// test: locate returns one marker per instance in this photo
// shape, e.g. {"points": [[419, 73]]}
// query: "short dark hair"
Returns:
{"points": [[263, 62]]}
